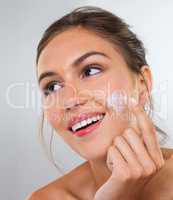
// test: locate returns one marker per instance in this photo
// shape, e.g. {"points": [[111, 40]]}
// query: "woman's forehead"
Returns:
{"points": [[66, 47]]}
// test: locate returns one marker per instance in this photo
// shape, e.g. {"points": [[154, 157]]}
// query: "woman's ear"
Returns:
{"points": [[144, 84]]}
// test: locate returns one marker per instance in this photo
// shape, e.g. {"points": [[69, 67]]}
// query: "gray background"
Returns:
{"points": [[23, 164]]}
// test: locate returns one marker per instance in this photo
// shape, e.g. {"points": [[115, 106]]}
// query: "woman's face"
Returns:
{"points": [[86, 70]]}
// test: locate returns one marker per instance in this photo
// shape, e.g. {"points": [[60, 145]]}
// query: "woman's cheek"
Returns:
{"points": [[54, 116]]}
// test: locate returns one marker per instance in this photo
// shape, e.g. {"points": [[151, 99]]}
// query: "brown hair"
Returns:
{"points": [[108, 26]]}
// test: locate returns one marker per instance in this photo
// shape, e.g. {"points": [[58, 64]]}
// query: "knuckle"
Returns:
{"points": [[150, 170], [126, 176], [161, 163], [127, 132], [137, 173]]}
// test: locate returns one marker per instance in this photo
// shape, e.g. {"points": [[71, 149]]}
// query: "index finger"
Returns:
{"points": [[148, 133]]}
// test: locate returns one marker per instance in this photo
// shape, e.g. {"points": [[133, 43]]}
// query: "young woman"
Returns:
{"points": [[88, 55]]}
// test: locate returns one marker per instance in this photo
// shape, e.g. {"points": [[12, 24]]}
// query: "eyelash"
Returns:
{"points": [[48, 85]]}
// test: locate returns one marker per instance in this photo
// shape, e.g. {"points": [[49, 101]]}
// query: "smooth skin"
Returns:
{"points": [[123, 159]]}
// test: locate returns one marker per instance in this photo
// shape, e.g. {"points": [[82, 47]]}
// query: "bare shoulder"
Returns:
{"points": [[64, 187], [51, 192]]}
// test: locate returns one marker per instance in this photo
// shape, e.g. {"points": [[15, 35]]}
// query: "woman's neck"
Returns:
{"points": [[100, 171]]}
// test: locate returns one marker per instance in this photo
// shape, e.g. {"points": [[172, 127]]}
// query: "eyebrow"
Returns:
{"points": [[75, 63]]}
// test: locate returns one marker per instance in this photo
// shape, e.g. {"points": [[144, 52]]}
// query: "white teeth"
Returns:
{"points": [[83, 123], [94, 119], [76, 126], [87, 121]]}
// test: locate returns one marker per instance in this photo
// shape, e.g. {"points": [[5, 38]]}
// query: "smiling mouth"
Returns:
{"points": [[88, 127]]}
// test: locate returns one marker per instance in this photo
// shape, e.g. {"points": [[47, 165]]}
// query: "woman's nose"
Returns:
{"points": [[69, 104], [75, 101], [73, 97]]}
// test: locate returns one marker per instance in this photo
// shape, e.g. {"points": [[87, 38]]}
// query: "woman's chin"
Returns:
{"points": [[97, 151]]}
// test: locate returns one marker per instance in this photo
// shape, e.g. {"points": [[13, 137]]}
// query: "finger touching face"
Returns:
{"points": [[148, 133]]}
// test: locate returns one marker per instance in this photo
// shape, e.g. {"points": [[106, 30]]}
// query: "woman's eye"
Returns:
{"points": [[91, 70], [51, 87]]}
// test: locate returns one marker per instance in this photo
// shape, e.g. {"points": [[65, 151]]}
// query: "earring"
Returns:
{"points": [[146, 107]]}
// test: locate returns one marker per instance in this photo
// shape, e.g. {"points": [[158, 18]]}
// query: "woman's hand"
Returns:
{"points": [[132, 160]]}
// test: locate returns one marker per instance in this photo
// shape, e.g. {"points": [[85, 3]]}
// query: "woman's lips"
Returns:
{"points": [[82, 117], [88, 130]]}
